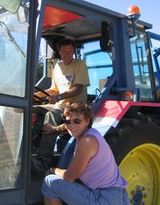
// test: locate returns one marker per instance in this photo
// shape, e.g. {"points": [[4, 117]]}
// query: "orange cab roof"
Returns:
{"points": [[55, 16]]}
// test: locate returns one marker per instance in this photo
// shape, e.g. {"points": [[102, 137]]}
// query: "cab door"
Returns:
{"points": [[17, 42]]}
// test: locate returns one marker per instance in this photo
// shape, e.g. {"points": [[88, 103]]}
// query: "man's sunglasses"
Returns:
{"points": [[75, 121]]}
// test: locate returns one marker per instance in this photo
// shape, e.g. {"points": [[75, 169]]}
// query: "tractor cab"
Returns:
{"points": [[122, 58]]}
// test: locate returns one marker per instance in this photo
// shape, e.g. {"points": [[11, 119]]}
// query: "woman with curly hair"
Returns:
{"points": [[93, 164]]}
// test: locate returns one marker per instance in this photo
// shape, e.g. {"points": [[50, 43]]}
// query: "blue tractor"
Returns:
{"points": [[123, 62]]}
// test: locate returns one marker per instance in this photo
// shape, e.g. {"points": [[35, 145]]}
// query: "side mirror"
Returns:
{"points": [[106, 37]]}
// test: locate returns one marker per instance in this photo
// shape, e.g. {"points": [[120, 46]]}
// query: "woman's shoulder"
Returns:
{"points": [[88, 143], [92, 131], [90, 136]]}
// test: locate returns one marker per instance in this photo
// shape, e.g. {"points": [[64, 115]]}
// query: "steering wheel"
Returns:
{"points": [[40, 100]]}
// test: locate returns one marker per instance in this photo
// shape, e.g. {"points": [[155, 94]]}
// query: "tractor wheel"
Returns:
{"points": [[136, 146]]}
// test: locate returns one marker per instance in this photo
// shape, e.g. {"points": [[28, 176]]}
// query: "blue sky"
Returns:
{"points": [[150, 10]]}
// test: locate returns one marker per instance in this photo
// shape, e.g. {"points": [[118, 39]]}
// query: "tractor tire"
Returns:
{"points": [[135, 143]]}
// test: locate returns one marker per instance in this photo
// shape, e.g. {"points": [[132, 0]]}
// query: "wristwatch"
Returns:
{"points": [[50, 171], [59, 97]]}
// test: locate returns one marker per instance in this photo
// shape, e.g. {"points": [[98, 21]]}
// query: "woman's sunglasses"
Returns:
{"points": [[75, 121]]}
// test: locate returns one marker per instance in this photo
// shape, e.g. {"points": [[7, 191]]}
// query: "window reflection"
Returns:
{"points": [[13, 49], [100, 69], [11, 132], [140, 67]]}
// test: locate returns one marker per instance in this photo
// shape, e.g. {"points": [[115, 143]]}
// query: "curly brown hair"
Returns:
{"points": [[81, 108]]}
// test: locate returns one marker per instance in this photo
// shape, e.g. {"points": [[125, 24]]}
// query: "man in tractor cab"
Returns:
{"points": [[69, 84]]}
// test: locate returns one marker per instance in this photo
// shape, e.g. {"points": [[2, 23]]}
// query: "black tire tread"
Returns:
{"points": [[131, 132]]}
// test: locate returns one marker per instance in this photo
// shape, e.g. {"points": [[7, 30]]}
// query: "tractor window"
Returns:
{"points": [[46, 62], [155, 54], [99, 65], [14, 16], [155, 49], [13, 48], [11, 128], [140, 67]]}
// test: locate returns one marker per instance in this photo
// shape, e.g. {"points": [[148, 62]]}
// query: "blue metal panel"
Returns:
{"points": [[154, 35], [123, 56]]}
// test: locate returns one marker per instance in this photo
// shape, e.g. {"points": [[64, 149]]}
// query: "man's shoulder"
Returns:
{"points": [[80, 64], [78, 61]]}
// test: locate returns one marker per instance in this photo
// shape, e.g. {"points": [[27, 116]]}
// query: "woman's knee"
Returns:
{"points": [[50, 184], [47, 185]]}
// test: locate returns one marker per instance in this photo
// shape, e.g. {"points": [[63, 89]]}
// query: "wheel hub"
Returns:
{"points": [[141, 169]]}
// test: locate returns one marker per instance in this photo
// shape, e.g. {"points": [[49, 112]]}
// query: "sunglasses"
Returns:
{"points": [[75, 121]]}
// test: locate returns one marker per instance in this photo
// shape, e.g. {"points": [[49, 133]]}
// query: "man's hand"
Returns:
{"points": [[48, 129], [53, 99]]}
